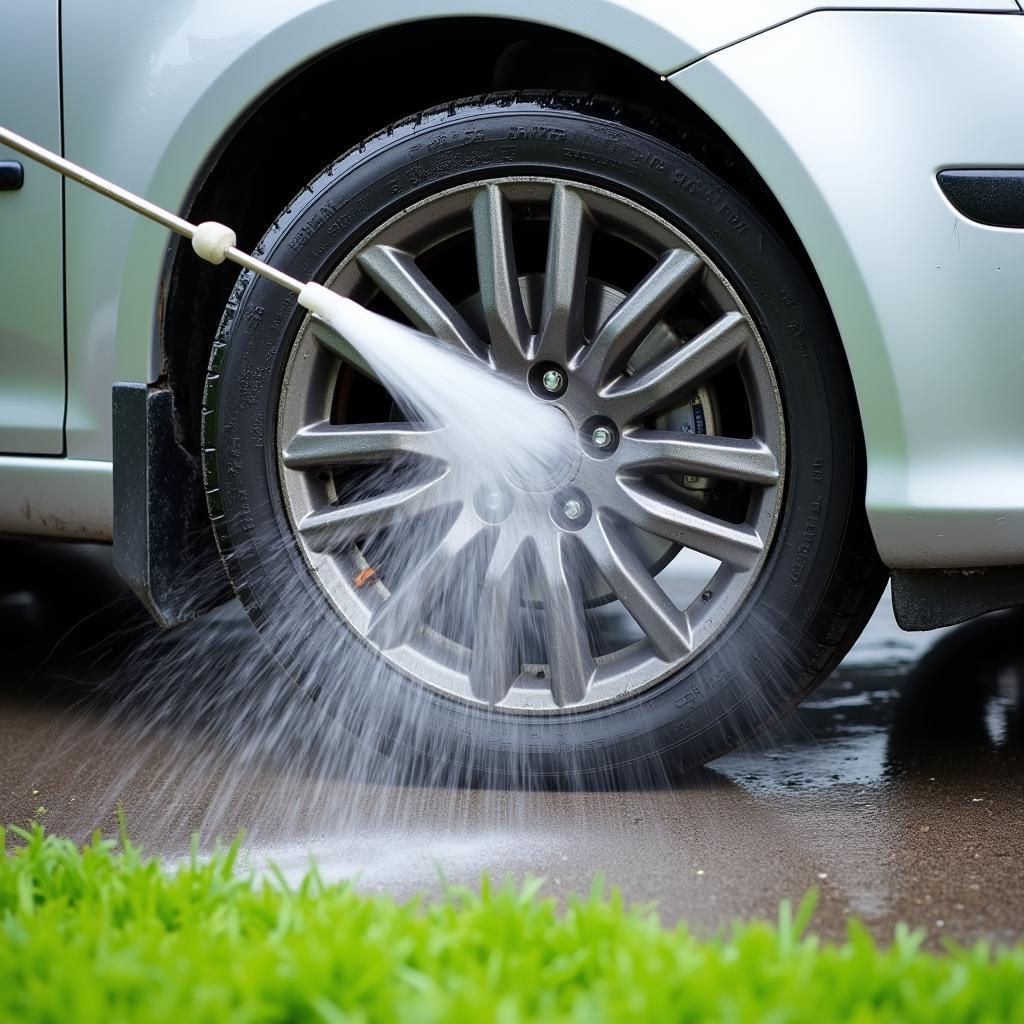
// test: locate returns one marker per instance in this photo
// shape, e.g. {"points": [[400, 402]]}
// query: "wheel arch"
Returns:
{"points": [[507, 54]]}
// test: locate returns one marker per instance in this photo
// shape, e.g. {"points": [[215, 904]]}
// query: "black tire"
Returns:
{"points": [[822, 577]]}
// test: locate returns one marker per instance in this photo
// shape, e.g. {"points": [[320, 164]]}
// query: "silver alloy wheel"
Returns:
{"points": [[660, 361]]}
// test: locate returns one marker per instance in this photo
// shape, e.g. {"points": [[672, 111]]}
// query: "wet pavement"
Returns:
{"points": [[895, 789]]}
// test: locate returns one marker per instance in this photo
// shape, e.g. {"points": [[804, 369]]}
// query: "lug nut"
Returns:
{"points": [[602, 436], [573, 509], [553, 380]]}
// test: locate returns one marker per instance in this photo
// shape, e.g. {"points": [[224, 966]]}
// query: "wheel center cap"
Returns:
{"points": [[545, 467]]}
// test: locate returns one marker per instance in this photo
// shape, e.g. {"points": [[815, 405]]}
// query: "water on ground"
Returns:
{"points": [[895, 789]]}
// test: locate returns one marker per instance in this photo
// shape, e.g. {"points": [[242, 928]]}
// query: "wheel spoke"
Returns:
{"points": [[681, 370], [327, 444], [638, 312], [404, 613], [397, 275], [663, 624], [500, 295], [494, 662], [722, 458], [737, 545], [570, 663], [346, 523], [565, 278], [337, 343]]}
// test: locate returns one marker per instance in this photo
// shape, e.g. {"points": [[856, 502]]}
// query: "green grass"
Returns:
{"points": [[104, 934]]}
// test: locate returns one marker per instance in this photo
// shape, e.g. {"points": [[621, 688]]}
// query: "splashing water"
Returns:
{"points": [[485, 558], [215, 736]]}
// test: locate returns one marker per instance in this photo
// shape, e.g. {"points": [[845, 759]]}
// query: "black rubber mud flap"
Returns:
{"points": [[929, 598], [163, 543]]}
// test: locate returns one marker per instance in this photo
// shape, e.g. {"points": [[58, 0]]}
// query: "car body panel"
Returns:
{"points": [[930, 305], [152, 116], [31, 258], [72, 499]]}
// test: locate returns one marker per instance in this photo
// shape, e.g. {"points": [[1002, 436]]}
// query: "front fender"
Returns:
{"points": [[848, 117]]}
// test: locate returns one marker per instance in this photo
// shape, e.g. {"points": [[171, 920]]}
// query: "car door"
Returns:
{"points": [[32, 386]]}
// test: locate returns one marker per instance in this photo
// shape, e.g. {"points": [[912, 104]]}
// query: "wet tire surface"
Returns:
{"points": [[822, 576]]}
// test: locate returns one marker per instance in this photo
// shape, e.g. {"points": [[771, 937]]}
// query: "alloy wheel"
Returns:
{"points": [[616, 317]]}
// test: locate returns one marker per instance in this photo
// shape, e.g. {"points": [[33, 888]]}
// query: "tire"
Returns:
{"points": [[819, 577]]}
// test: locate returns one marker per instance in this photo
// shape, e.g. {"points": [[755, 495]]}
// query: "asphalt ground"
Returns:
{"points": [[895, 790]]}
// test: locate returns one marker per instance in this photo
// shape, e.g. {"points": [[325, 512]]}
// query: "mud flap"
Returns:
{"points": [[163, 543], [929, 598]]}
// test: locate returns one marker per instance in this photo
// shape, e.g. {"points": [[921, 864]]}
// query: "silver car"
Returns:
{"points": [[768, 260]]}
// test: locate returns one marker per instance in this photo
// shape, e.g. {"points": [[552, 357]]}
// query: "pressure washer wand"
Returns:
{"points": [[212, 242]]}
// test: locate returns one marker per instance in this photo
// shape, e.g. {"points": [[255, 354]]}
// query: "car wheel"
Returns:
{"points": [[727, 560]]}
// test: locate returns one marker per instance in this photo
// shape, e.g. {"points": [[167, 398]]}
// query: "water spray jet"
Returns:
{"points": [[380, 348]]}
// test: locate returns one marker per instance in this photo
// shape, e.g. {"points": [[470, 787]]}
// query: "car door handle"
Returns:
{"points": [[12, 175]]}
